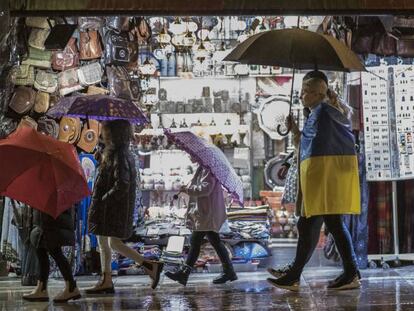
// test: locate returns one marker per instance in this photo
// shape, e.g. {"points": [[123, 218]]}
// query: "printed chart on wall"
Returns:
{"points": [[388, 110]]}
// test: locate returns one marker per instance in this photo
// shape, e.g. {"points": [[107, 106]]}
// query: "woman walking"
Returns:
{"points": [[113, 203], [48, 236], [206, 214]]}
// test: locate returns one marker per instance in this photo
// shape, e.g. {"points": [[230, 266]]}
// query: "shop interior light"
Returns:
{"points": [[201, 52], [163, 37], [177, 27]]}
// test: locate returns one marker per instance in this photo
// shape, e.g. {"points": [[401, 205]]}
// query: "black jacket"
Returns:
{"points": [[50, 233], [113, 199]]}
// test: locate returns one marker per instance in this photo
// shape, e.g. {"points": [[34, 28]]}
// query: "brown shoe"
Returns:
{"points": [[38, 294], [68, 294], [104, 286]]}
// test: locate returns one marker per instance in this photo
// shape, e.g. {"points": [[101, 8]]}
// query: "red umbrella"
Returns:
{"points": [[41, 171]]}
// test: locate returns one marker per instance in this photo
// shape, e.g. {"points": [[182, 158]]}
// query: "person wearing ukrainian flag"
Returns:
{"points": [[328, 182]]}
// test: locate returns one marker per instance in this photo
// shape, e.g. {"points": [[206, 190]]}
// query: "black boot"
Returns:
{"points": [[180, 276], [227, 275]]}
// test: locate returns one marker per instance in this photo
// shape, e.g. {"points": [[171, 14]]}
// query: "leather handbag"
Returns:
{"points": [[120, 84], [41, 102], [38, 37], [48, 126], [405, 46], [38, 22], [117, 48], [23, 75], [22, 100], [69, 130], [69, 81], [96, 90], [90, 136], [119, 23], [90, 45], [90, 74], [27, 121], [90, 23], [38, 58], [142, 30], [59, 35], [46, 81], [68, 58]]}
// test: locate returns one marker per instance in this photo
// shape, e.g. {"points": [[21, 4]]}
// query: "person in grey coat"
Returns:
{"points": [[205, 216], [113, 202]]}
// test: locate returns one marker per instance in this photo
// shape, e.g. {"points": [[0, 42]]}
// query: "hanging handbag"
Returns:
{"points": [[90, 22], [22, 100], [96, 90], [119, 23], [48, 126], [69, 81], [38, 58], [23, 75], [41, 102], [46, 81], [59, 35], [117, 48], [142, 30], [69, 130], [27, 121], [90, 136], [66, 59], [38, 37], [38, 22], [90, 45], [90, 74], [120, 84]]}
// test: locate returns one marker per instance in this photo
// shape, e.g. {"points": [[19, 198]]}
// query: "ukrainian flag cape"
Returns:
{"points": [[329, 179]]}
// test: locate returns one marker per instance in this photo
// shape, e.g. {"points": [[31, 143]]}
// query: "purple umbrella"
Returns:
{"points": [[211, 158], [98, 107]]}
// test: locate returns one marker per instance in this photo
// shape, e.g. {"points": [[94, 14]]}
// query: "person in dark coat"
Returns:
{"points": [[48, 236], [113, 202]]}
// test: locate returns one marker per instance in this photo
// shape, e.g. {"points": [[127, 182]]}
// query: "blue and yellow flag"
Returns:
{"points": [[329, 178]]}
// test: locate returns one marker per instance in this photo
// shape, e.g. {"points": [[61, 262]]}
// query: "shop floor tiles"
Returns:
{"points": [[381, 290]]}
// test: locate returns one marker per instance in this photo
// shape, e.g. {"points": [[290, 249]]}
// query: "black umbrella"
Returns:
{"points": [[298, 49]]}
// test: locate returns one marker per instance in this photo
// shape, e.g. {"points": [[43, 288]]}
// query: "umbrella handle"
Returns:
{"points": [[279, 131]]}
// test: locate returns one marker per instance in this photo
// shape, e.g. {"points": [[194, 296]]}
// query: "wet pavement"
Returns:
{"points": [[391, 289]]}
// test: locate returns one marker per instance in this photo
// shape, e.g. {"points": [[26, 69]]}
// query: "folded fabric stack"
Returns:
{"points": [[249, 223]]}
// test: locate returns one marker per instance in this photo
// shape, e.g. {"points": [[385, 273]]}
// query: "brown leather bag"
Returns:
{"points": [[90, 136], [66, 59], [41, 102], [48, 126], [22, 100], [90, 46], [27, 121], [69, 130]]}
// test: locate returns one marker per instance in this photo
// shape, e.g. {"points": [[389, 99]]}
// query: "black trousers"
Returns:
{"points": [[61, 262], [214, 239], [309, 230]]}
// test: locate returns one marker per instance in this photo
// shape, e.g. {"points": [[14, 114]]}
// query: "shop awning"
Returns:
{"points": [[210, 7]]}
